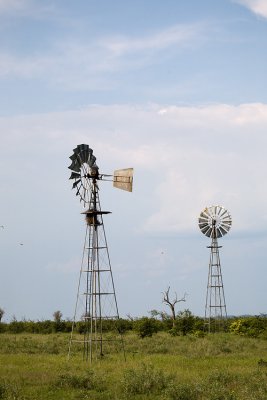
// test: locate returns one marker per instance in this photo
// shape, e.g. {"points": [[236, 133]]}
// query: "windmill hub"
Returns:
{"points": [[94, 172]]}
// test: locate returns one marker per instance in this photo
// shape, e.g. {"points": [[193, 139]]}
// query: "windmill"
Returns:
{"points": [[96, 308], [215, 222]]}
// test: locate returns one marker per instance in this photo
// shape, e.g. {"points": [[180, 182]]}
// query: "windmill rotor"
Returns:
{"points": [[215, 221], [83, 170]]}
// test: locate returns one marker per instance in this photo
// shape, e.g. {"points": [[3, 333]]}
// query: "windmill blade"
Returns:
{"points": [[209, 232], [82, 147], [202, 220], [76, 183], [75, 166], [205, 228], [73, 157], [91, 160], [219, 232], [84, 154], [123, 179], [74, 175]]}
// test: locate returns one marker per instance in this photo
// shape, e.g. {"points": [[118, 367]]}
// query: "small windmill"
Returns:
{"points": [[215, 222], [96, 308]]}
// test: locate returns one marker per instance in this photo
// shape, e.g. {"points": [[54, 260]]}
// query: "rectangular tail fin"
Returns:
{"points": [[123, 179]]}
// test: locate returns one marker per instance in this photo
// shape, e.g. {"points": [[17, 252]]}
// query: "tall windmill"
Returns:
{"points": [[96, 308], [215, 222]]}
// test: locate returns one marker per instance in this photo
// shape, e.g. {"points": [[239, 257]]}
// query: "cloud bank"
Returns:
{"points": [[258, 7]]}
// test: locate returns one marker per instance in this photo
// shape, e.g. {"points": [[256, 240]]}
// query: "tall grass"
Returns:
{"points": [[215, 367]]}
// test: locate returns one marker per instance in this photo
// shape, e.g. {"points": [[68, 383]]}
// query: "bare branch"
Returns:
{"points": [[172, 303]]}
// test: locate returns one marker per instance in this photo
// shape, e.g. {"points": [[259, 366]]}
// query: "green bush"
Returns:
{"points": [[186, 323], [16, 326], [146, 327], [248, 326]]}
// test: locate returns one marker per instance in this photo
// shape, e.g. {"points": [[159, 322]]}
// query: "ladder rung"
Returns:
{"points": [[98, 293], [96, 248], [96, 270]]}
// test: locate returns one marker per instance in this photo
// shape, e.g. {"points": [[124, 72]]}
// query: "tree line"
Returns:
{"points": [[185, 323]]}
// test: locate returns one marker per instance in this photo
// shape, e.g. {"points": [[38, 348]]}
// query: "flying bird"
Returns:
{"points": [[2, 226]]}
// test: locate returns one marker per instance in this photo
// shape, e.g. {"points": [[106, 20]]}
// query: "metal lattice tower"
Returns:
{"points": [[215, 222], [96, 309]]}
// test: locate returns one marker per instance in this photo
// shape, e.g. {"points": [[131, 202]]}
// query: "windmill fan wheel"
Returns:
{"points": [[84, 171], [215, 221]]}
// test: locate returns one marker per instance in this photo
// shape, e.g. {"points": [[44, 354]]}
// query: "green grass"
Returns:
{"points": [[216, 367]]}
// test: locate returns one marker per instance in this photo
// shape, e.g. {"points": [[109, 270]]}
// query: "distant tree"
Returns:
{"points": [[172, 303], [57, 316], [185, 322], [161, 314], [2, 312]]}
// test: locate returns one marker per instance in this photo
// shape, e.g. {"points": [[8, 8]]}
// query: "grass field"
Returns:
{"points": [[216, 367]]}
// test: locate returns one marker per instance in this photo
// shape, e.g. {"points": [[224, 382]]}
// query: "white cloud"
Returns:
{"points": [[176, 35], [258, 7]]}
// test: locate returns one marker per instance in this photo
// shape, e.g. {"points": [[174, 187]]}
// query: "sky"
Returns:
{"points": [[175, 89]]}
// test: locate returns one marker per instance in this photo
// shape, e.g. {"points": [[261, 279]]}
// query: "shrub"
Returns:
{"points": [[3, 328], [249, 326], [186, 323], [146, 327], [16, 326]]}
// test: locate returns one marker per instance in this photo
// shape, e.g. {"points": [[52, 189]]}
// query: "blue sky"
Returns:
{"points": [[175, 89]]}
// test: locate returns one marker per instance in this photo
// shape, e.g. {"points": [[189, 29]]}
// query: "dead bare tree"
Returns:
{"points": [[172, 303]]}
